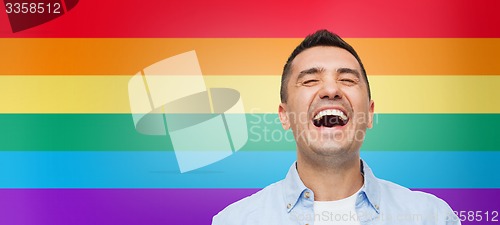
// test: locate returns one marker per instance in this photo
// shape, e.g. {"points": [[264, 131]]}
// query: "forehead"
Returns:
{"points": [[327, 57]]}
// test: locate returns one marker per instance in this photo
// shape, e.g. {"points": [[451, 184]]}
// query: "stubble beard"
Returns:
{"points": [[328, 151]]}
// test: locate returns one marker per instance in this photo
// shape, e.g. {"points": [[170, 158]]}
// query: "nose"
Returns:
{"points": [[330, 90]]}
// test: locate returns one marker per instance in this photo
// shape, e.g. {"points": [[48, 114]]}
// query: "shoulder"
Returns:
{"points": [[249, 208], [396, 192], [419, 204]]}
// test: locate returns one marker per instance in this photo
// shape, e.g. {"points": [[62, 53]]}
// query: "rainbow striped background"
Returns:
{"points": [[69, 153]]}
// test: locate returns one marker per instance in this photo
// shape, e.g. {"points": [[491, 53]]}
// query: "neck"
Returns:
{"points": [[331, 181]]}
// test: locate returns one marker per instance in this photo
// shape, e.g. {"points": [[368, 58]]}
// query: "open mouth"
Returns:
{"points": [[330, 118]]}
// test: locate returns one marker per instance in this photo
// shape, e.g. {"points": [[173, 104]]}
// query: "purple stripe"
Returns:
{"points": [[165, 206]]}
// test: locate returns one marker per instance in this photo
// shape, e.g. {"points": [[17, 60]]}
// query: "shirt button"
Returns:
{"points": [[289, 206], [307, 194]]}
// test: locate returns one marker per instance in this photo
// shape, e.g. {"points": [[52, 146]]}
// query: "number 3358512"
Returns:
{"points": [[25, 8], [477, 216]]}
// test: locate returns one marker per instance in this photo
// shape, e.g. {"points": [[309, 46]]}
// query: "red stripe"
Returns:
{"points": [[259, 18]]}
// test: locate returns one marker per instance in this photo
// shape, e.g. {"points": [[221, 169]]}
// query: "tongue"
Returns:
{"points": [[329, 121]]}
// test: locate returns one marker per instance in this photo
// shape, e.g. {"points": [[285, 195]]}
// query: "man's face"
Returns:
{"points": [[327, 107]]}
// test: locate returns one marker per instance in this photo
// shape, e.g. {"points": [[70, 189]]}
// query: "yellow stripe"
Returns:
{"points": [[260, 94]]}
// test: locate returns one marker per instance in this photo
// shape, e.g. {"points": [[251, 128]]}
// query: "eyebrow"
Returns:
{"points": [[313, 70], [348, 70]]}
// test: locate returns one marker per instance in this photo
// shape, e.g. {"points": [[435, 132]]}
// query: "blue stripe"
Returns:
{"points": [[157, 169]]}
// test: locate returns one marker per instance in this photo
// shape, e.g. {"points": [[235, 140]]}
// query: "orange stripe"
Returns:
{"points": [[242, 56]]}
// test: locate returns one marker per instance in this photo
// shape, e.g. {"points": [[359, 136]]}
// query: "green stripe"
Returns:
{"points": [[392, 132]]}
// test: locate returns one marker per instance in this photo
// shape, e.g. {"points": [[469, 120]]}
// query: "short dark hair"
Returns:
{"points": [[318, 38]]}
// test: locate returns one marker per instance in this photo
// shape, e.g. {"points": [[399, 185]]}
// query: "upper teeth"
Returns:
{"points": [[331, 112]]}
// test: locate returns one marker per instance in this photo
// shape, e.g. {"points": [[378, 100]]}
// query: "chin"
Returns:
{"points": [[329, 149]]}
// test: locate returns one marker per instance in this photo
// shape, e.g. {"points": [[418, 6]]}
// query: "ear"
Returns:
{"points": [[285, 120], [371, 112]]}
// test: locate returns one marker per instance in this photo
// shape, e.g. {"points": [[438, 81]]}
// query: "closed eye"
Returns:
{"points": [[310, 82], [348, 81]]}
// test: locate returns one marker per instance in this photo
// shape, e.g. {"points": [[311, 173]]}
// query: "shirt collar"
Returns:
{"points": [[294, 187], [371, 187]]}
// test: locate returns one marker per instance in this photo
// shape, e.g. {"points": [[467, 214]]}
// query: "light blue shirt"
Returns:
{"points": [[289, 201]]}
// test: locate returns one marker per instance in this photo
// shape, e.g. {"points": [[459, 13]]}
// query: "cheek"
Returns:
{"points": [[360, 105], [300, 101], [305, 95], [358, 99], [298, 115]]}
